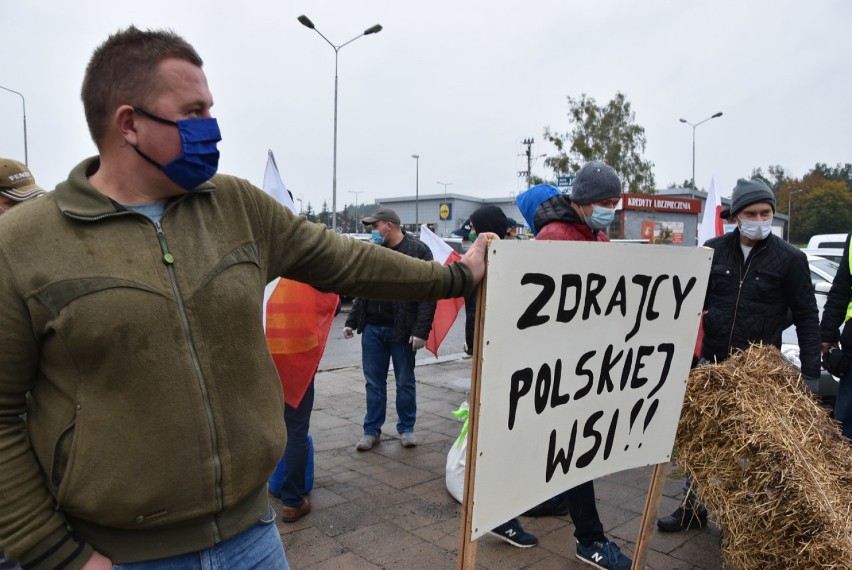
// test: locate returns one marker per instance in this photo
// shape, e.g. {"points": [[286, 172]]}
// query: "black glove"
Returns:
{"points": [[836, 362]]}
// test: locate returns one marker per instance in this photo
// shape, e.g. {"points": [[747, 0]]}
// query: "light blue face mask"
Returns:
{"points": [[601, 217], [199, 157], [376, 237]]}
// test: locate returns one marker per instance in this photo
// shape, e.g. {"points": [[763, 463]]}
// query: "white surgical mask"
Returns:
{"points": [[755, 230]]}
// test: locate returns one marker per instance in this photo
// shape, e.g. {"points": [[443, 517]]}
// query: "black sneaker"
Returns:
{"points": [[553, 507], [604, 555], [684, 518], [513, 533]]}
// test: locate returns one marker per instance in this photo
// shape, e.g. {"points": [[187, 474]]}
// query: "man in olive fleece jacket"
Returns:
{"points": [[140, 411]]}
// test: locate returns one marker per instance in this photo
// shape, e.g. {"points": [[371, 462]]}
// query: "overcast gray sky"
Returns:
{"points": [[461, 83]]}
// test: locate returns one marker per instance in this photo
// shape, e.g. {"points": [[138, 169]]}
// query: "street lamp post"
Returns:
{"points": [[445, 184], [305, 21], [790, 211], [356, 200], [24, 104], [694, 125], [416, 158]]}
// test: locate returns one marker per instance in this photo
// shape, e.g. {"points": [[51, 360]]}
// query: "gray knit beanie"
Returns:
{"points": [[748, 192], [595, 182]]}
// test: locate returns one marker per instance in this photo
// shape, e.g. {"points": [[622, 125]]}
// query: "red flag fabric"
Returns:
{"points": [[298, 317], [298, 320], [446, 310]]}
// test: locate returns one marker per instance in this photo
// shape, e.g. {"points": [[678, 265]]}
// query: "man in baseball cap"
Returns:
{"points": [[392, 332], [382, 215], [17, 184], [464, 230]]}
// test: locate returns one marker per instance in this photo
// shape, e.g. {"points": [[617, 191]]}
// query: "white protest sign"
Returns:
{"points": [[585, 357]]}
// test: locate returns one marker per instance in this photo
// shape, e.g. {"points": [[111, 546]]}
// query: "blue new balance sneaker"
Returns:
{"points": [[603, 555], [513, 533]]}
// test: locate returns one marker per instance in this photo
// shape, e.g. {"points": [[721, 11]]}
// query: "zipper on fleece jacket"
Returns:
{"points": [[169, 261], [747, 264]]}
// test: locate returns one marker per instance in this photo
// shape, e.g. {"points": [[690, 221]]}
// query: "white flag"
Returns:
{"points": [[274, 186], [711, 223]]}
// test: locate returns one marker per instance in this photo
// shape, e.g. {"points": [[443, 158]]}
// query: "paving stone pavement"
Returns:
{"points": [[388, 508]]}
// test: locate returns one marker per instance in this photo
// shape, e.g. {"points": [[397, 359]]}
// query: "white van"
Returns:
{"points": [[829, 246], [830, 241]]}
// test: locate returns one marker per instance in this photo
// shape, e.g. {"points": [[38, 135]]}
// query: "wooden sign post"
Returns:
{"points": [[580, 364]]}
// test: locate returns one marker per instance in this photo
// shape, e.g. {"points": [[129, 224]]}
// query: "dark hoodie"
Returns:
{"points": [[484, 219]]}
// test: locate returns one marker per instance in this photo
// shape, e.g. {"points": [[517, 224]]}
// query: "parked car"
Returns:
{"points": [[822, 275], [829, 246], [827, 241], [455, 243], [359, 237], [823, 270], [830, 253]]}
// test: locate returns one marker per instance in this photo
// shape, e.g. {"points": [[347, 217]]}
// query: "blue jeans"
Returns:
{"points": [[378, 349], [584, 513], [257, 548], [298, 422], [843, 404]]}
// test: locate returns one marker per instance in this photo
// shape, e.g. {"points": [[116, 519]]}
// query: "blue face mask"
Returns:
{"points": [[376, 237], [199, 157], [601, 217]]}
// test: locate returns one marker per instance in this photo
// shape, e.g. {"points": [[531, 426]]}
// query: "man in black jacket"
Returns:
{"points": [[838, 310], [756, 280], [390, 332]]}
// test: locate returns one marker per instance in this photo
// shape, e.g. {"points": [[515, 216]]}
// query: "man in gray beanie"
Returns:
{"points": [[587, 213], [748, 192], [582, 217], [756, 280]]}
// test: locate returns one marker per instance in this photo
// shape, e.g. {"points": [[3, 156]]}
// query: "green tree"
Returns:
{"points": [[324, 217], [347, 218], [840, 173], [309, 213], [685, 184], [776, 176], [825, 210], [608, 133]]}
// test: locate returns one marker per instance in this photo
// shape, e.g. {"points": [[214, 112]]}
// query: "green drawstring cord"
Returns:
{"points": [[459, 414]]}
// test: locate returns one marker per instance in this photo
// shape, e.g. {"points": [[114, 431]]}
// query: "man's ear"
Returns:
{"points": [[124, 119]]}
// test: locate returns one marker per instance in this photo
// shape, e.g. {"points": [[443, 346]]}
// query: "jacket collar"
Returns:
{"points": [[77, 198]]}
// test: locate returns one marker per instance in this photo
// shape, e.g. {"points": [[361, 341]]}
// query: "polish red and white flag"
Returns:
{"points": [[447, 310], [297, 317]]}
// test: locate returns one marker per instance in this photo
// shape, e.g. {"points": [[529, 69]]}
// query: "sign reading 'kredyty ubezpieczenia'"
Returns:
{"points": [[586, 352]]}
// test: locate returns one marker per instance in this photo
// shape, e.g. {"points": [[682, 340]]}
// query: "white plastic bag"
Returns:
{"points": [[457, 456]]}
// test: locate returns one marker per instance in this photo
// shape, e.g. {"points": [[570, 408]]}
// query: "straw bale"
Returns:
{"points": [[769, 463]]}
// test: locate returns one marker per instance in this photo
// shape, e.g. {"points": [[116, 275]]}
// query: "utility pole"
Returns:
{"points": [[528, 172], [416, 158], [790, 211]]}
